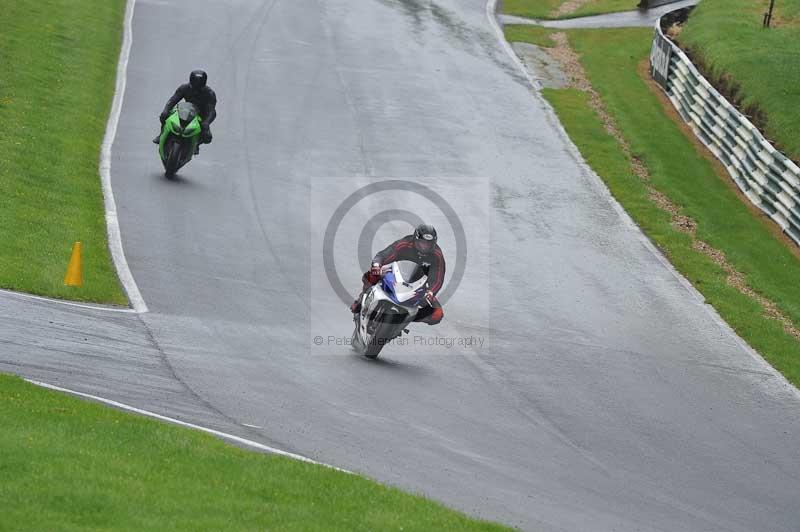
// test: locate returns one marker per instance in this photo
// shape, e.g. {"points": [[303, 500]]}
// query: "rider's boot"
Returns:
{"points": [[157, 140]]}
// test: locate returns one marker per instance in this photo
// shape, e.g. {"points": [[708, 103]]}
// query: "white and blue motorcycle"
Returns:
{"points": [[390, 306]]}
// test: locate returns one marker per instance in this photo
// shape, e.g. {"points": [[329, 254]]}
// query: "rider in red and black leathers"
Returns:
{"points": [[420, 247]]}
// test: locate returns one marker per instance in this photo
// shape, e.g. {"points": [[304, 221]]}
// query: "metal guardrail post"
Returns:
{"points": [[768, 14]]}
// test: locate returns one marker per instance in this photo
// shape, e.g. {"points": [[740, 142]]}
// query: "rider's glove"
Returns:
{"points": [[205, 134], [375, 269], [163, 116]]}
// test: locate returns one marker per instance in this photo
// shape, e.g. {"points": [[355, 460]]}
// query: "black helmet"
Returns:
{"points": [[198, 79], [424, 238]]}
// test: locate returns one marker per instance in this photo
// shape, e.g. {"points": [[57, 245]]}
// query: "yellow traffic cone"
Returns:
{"points": [[74, 275]]}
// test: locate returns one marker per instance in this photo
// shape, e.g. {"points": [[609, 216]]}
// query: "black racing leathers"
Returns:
{"points": [[204, 99]]}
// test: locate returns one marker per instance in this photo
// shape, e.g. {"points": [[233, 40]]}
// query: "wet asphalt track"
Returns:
{"points": [[607, 396]]}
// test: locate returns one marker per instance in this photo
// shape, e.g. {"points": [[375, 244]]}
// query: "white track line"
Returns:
{"points": [[780, 382], [112, 223], [491, 7], [23, 295], [224, 435]]}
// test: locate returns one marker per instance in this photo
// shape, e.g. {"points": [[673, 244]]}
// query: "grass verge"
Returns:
{"points": [[538, 35], [57, 69], [558, 9], [72, 465], [679, 170], [754, 67]]}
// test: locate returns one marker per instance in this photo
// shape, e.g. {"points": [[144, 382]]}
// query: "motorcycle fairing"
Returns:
{"points": [[183, 122], [389, 306], [401, 291]]}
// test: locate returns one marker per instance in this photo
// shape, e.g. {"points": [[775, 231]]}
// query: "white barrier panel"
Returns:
{"points": [[766, 176]]}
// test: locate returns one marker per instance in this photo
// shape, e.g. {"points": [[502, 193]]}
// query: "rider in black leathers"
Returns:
{"points": [[201, 95]]}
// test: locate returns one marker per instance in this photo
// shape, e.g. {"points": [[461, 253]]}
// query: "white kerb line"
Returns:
{"points": [[220, 434], [491, 6], [112, 222]]}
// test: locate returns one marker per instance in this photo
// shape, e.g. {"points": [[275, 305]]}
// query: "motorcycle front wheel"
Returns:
{"points": [[382, 336], [173, 159]]}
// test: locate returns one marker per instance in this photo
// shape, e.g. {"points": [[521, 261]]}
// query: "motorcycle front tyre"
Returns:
{"points": [[381, 337], [173, 159]]}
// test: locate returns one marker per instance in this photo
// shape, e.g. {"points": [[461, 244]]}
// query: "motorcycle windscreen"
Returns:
{"points": [[186, 112], [401, 290]]}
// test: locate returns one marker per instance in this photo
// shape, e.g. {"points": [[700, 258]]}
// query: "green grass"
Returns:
{"points": [[67, 464], [57, 69], [611, 58], [538, 35], [544, 9], [758, 67]]}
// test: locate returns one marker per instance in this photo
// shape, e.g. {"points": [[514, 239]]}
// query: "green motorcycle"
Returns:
{"points": [[180, 135]]}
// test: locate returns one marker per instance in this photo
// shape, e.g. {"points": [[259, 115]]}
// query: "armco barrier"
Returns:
{"points": [[767, 177]]}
